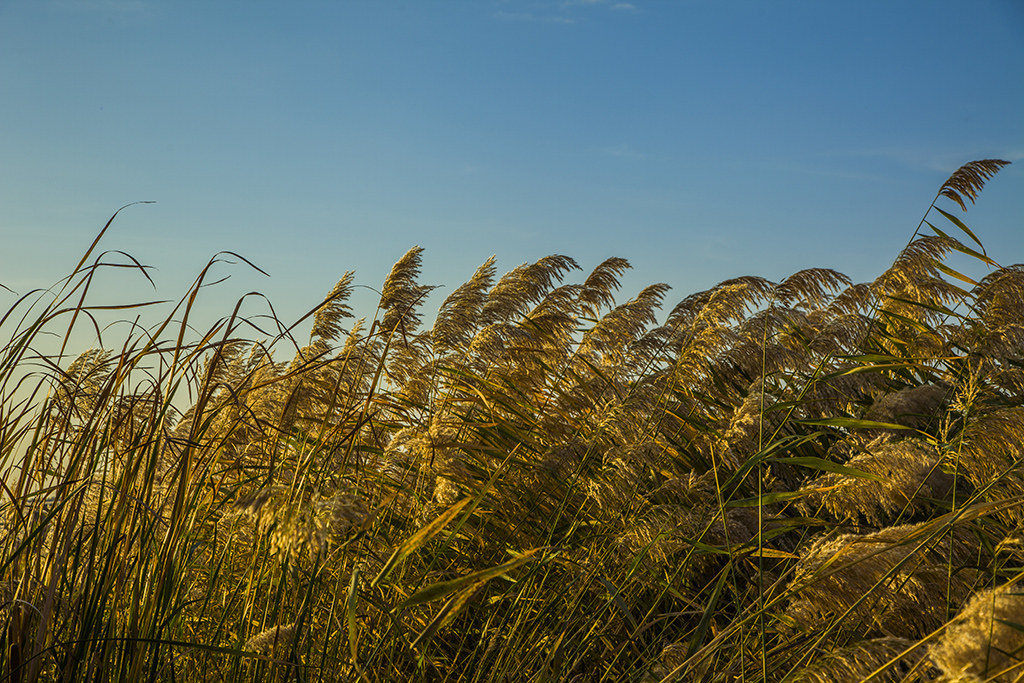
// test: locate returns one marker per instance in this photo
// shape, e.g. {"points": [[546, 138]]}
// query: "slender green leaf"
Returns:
{"points": [[446, 614], [421, 537], [954, 273], [620, 604], [437, 591], [928, 306], [709, 611], [827, 466], [851, 423], [964, 249], [958, 223], [350, 614], [766, 499], [878, 367]]}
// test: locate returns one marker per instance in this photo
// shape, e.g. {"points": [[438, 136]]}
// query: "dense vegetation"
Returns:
{"points": [[806, 480]]}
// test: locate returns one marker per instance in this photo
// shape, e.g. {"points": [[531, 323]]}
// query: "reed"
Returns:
{"points": [[805, 480]]}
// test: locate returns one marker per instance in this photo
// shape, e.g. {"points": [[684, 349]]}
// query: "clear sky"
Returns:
{"points": [[701, 140]]}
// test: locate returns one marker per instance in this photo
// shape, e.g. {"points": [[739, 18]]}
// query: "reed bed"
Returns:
{"points": [[805, 480]]}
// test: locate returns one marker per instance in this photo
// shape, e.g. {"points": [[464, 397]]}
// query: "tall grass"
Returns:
{"points": [[805, 480]]}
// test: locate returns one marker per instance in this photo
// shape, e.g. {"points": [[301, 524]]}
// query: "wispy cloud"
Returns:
{"points": [[623, 151]]}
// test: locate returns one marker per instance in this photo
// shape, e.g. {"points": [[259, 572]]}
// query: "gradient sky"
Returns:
{"points": [[701, 140]]}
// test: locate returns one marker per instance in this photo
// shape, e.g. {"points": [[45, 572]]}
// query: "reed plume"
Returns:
{"points": [[986, 639], [598, 290], [523, 287], [968, 180], [885, 582], [327, 322], [857, 662], [905, 479], [401, 295], [457, 319], [272, 639]]}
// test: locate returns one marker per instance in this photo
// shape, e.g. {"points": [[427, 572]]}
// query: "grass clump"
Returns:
{"points": [[805, 480]]}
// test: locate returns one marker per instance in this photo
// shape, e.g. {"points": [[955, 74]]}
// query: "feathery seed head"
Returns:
{"points": [[858, 661], [908, 476], [810, 288], [968, 180], [854, 300], [985, 642], [327, 321], [598, 291], [523, 287], [273, 640], [886, 579], [914, 407], [617, 330], [458, 317], [400, 295], [301, 523]]}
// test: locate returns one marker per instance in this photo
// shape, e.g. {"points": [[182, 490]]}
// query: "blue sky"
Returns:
{"points": [[700, 140]]}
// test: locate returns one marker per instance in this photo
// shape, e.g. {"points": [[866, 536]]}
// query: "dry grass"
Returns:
{"points": [[796, 481]]}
